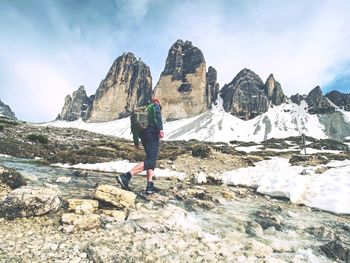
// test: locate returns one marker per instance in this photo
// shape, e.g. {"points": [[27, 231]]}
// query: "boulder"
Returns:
{"points": [[11, 177], [182, 87], [127, 85], [30, 201], [115, 196], [82, 206]]}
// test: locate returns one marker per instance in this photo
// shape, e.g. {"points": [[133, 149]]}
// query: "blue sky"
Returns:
{"points": [[50, 48]]}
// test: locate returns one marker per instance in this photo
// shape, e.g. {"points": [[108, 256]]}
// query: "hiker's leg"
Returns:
{"points": [[137, 169], [149, 175]]}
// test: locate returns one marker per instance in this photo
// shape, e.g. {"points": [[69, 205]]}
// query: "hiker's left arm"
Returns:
{"points": [[159, 118]]}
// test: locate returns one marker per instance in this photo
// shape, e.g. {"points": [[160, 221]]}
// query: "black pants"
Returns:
{"points": [[150, 143]]}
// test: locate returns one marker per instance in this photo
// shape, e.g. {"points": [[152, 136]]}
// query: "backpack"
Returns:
{"points": [[142, 116]]}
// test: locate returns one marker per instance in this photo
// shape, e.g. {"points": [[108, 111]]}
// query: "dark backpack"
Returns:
{"points": [[142, 116]]}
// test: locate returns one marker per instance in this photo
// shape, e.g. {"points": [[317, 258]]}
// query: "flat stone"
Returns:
{"points": [[115, 196], [82, 206]]}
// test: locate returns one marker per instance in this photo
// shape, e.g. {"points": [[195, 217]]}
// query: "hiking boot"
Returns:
{"points": [[124, 180], [150, 188]]}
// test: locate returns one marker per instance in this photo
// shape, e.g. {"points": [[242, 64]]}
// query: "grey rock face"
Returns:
{"points": [[297, 98], [342, 100], [244, 96], [212, 90], [182, 87], [318, 104], [128, 84], [30, 201], [75, 106], [183, 58], [274, 91], [5, 111]]}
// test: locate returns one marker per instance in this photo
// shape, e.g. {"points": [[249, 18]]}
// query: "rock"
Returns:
{"points": [[258, 249], [254, 229], [337, 250], [321, 232], [30, 201], [127, 85], [115, 196], [342, 100], [5, 111], [182, 87], [201, 150], [268, 219], [118, 216], [212, 89], [318, 104], [75, 105], [4, 190], [11, 177], [63, 179], [273, 90], [308, 160], [244, 96], [81, 222], [329, 144], [82, 206], [297, 98], [200, 178]]}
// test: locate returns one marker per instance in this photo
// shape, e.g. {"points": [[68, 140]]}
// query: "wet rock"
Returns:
{"points": [[73, 222], [30, 201], [268, 219], [82, 206], [321, 232], [201, 150], [259, 249], [113, 215], [115, 196], [254, 229], [337, 250], [11, 177]]}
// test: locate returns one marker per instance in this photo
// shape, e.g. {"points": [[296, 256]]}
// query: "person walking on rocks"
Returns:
{"points": [[149, 136]]}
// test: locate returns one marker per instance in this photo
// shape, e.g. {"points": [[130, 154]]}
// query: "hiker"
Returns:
{"points": [[150, 141]]}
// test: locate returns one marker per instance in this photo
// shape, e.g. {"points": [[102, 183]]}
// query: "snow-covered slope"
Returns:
{"points": [[282, 121]]}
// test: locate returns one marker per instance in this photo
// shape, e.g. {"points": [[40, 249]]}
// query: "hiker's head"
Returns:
{"points": [[155, 100]]}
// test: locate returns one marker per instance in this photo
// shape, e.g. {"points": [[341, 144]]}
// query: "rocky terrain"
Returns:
{"points": [[340, 99], [65, 215]]}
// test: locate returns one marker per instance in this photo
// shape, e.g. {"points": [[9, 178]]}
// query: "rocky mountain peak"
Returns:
{"points": [[183, 58], [212, 90], [274, 91], [128, 84], [182, 87], [75, 105], [244, 96], [318, 104], [342, 100], [5, 111]]}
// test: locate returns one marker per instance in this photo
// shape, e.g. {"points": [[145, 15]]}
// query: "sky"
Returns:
{"points": [[49, 48]]}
